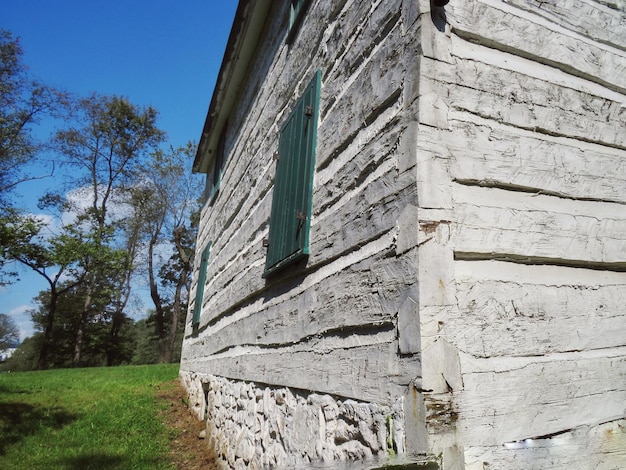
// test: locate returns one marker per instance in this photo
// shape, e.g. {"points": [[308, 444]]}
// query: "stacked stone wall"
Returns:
{"points": [[259, 426]]}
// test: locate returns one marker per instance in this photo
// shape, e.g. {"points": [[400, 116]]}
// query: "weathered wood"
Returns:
{"points": [[456, 283], [511, 399], [499, 127], [380, 80], [375, 287], [590, 447], [466, 49], [488, 153], [513, 30], [436, 278], [522, 101], [593, 19], [356, 31], [377, 180], [354, 374], [243, 217], [530, 314], [361, 215], [469, 219], [492, 221]]}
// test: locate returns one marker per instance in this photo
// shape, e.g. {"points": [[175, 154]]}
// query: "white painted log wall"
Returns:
{"points": [[521, 150], [512, 124], [331, 326]]}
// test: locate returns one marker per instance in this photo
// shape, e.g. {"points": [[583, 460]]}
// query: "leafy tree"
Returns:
{"points": [[121, 297], [94, 347], [62, 336], [122, 348], [123, 213], [53, 258], [176, 276], [23, 102], [98, 293], [108, 144], [164, 216], [9, 333], [146, 346], [26, 356]]}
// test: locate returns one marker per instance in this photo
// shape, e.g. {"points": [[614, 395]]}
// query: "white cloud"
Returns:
{"points": [[81, 199]]}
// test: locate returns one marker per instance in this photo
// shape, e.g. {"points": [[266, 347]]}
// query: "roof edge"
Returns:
{"points": [[242, 42]]}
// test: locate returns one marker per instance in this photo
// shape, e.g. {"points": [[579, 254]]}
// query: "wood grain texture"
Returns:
{"points": [[521, 190], [374, 289], [489, 153], [511, 399], [585, 447], [594, 20], [342, 307], [355, 371], [492, 221], [526, 102], [510, 29], [534, 312]]}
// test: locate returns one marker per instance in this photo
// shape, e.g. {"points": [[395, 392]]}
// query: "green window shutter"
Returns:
{"points": [[220, 159], [293, 186], [297, 8], [204, 261], [214, 176]]}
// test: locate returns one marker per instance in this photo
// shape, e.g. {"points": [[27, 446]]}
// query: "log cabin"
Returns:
{"points": [[413, 241]]}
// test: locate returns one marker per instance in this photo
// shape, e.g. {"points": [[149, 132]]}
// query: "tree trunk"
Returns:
{"points": [[47, 333], [113, 346], [80, 334], [176, 311], [182, 283], [159, 315]]}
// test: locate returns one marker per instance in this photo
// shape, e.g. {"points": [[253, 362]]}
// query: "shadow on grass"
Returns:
{"points": [[4, 390], [19, 420], [101, 462]]}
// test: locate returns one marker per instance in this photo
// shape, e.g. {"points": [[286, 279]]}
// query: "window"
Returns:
{"points": [[214, 176], [208, 193], [293, 186], [297, 9], [204, 261]]}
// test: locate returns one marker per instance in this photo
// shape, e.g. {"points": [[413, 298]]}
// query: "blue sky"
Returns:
{"points": [[162, 53]]}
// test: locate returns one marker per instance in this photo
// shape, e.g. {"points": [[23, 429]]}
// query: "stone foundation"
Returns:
{"points": [[259, 426]]}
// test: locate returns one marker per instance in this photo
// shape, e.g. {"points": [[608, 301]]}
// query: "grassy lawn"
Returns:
{"points": [[85, 418]]}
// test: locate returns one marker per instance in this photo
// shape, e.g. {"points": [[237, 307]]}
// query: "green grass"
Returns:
{"points": [[100, 418]]}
